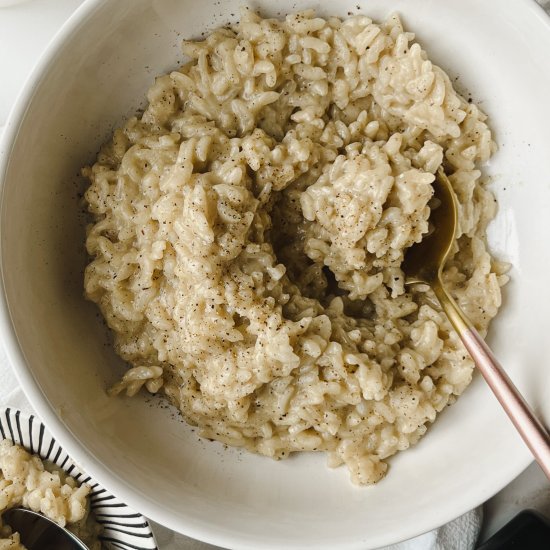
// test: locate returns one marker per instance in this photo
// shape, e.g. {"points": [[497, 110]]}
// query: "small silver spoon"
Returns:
{"points": [[37, 532], [424, 263]]}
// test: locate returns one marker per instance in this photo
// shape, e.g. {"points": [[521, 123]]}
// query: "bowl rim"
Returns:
{"points": [[46, 411]]}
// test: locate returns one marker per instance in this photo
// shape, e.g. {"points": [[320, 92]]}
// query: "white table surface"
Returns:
{"points": [[25, 30]]}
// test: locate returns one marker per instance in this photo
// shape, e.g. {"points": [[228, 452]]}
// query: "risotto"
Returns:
{"points": [[249, 229], [26, 482]]}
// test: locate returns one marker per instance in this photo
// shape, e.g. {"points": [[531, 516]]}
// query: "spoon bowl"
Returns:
{"points": [[424, 261], [38, 532]]}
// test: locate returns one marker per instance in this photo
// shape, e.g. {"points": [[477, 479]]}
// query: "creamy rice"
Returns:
{"points": [[250, 226], [26, 482]]}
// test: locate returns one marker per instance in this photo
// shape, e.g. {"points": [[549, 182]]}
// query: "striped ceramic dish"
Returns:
{"points": [[123, 528]]}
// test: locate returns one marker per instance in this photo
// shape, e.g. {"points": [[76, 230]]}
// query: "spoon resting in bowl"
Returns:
{"points": [[38, 532], [424, 263]]}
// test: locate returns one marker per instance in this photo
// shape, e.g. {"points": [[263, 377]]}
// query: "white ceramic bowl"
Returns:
{"points": [[95, 73]]}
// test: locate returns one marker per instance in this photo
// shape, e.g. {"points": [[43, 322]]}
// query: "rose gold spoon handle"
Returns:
{"points": [[527, 424], [423, 264]]}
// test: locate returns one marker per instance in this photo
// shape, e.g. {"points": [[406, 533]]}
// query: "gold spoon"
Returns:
{"points": [[424, 263]]}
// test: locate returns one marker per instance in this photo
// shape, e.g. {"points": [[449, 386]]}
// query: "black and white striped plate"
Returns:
{"points": [[123, 528]]}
